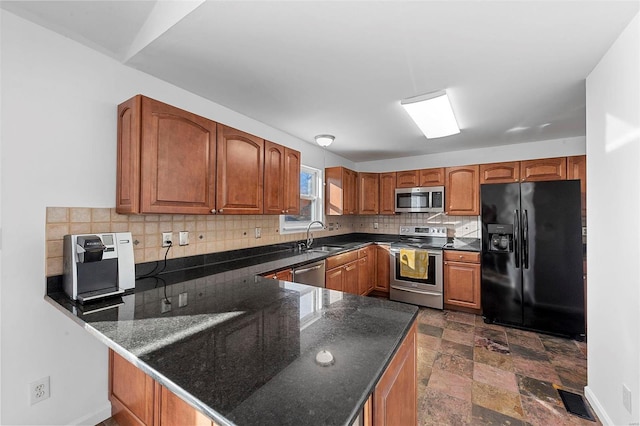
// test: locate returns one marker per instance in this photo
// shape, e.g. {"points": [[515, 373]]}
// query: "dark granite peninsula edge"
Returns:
{"points": [[243, 350]]}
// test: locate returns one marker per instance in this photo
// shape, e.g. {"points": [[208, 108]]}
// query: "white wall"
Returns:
{"points": [[59, 119], [613, 239], [521, 151]]}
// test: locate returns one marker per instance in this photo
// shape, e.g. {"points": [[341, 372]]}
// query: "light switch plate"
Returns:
{"points": [[184, 238]]}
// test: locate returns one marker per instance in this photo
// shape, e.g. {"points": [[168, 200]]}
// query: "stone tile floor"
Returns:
{"points": [[474, 373]]}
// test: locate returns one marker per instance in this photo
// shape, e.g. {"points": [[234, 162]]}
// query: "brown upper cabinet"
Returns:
{"points": [[543, 169], [171, 161], [387, 193], [166, 159], [422, 177], [407, 179], [281, 179], [525, 171], [577, 169], [432, 177], [240, 172], [462, 193], [340, 191], [507, 172], [368, 193]]}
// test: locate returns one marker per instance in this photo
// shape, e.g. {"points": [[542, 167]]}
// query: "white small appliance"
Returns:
{"points": [[97, 266]]}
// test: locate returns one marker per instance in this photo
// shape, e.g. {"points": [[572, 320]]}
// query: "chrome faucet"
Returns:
{"points": [[309, 235]]}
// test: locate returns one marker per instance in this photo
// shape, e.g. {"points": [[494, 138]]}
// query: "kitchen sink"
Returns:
{"points": [[325, 249]]}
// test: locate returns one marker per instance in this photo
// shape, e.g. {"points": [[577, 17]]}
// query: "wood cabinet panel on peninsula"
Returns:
{"points": [[166, 159], [136, 399], [395, 397]]}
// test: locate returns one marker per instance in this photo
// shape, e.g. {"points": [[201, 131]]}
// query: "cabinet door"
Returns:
{"points": [[240, 172], [128, 162], [350, 278], [462, 284], [407, 178], [275, 190], [284, 275], [577, 169], [363, 275], [395, 398], [462, 191], [350, 191], [174, 411], [368, 190], [432, 177], [387, 193], [131, 392], [292, 181], [178, 152], [382, 268], [340, 191], [333, 278], [543, 169], [507, 172]]}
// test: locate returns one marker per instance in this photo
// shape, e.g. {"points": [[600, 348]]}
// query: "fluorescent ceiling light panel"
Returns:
{"points": [[433, 114]]}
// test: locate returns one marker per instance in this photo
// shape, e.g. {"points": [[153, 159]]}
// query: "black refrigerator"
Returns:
{"points": [[532, 256]]}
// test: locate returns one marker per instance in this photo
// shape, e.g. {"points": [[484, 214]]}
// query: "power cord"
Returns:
{"points": [[153, 273]]}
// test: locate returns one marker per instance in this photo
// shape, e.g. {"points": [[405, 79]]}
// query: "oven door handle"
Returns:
{"points": [[428, 293]]}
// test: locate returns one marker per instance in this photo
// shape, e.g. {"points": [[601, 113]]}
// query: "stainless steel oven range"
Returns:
{"points": [[416, 266]]}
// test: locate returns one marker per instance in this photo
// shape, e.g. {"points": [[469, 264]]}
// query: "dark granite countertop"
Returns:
{"points": [[242, 348], [464, 244]]}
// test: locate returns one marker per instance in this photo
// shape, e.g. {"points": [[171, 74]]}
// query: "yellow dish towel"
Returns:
{"points": [[414, 263]]}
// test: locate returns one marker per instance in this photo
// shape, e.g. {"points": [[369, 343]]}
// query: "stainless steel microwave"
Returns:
{"points": [[428, 199]]}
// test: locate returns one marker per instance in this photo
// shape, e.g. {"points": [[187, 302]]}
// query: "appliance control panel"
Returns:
{"points": [[424, 231]]}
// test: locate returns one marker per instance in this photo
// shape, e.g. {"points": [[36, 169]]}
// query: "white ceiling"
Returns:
{"points": [[514, 70]]}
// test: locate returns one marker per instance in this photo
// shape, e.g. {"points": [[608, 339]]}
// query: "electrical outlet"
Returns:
{"points": [[39, 390], [258, 232], [167, 239], [626, 398], [184, 238], [375, 225]]}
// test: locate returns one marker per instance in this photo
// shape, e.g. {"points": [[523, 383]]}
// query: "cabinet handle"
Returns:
{"points": [[282, 211], [460, 256], [287, 211], [213, 211], [220, 211]]}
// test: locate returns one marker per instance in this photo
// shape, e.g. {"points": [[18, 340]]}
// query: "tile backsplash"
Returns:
{"points": [[210, 233]]}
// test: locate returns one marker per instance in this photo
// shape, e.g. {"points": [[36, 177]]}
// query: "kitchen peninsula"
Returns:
{"points": [[251, 350]]}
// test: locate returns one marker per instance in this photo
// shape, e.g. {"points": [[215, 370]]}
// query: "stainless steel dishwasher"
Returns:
{"points": [[311, 274]]}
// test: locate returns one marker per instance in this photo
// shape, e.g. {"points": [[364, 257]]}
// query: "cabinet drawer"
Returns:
{"points": [[341, 259], [461, 256]]}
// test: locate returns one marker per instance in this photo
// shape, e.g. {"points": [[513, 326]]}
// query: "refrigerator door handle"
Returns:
{"points": [[516, 236], [525, 239]]}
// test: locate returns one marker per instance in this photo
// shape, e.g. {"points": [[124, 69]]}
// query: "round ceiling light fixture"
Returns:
{"points": [[324, 140]]}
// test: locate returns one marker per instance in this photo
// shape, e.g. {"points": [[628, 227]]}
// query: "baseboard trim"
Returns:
{"points": [[93, 419], [597, 407]]}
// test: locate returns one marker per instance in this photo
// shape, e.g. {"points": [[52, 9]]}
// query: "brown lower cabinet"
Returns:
{"points": [[283, 275], [139, 400], [462, 281], [395, 395], [383, 257]]}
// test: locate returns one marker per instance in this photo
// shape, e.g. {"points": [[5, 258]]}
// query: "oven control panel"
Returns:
{"points": [[424, 231]]}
